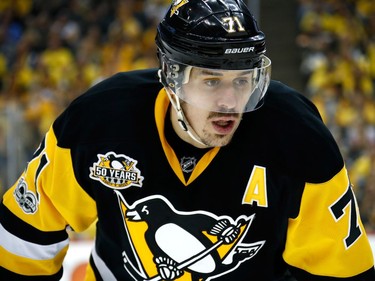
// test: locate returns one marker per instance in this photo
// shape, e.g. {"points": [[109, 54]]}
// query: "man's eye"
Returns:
{"points": [[241, 82], [211, 82]]}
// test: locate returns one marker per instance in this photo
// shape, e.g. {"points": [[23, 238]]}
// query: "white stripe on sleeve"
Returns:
{"points": [[20, 247]]}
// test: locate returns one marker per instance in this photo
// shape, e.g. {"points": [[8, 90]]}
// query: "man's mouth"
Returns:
{"points": [[223, 123], [223, 126]]}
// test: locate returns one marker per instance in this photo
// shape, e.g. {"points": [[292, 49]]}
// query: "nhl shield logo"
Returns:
{"points": [[116, 171], [188, 164]]}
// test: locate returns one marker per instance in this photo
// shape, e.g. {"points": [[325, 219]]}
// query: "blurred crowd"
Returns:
{"points": [[51, 51], [337, 40]]}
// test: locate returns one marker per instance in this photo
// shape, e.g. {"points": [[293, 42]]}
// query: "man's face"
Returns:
{"points": [[225, 93]]}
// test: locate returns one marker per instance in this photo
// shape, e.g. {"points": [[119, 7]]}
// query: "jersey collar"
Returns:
{"points": [[161, 109]]}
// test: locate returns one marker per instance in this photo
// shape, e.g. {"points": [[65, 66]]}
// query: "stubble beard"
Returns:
{"points": [[215, 140]]}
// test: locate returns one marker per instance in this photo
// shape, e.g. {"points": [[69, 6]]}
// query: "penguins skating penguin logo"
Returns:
{"points": [[168, 244]]}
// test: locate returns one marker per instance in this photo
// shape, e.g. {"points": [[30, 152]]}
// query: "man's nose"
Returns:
{"points": [[227, 98]]}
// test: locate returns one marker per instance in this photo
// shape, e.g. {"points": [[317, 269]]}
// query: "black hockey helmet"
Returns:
{"points": [[213, 34], [219, 34]]}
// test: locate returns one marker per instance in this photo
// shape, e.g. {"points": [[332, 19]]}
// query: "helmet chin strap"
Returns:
{"points": [[182, 120]]}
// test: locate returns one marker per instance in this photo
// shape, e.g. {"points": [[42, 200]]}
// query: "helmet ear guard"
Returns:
{"points": [[170, 72], [173, 74]]}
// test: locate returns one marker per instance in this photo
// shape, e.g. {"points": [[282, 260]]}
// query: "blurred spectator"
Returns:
{"points": [[337, 40]]}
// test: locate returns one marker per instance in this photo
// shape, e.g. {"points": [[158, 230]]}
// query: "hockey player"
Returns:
{"points": [[202, 170]]}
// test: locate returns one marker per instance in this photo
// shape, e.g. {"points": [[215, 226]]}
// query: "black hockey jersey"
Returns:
{"points": [[277, 197]]}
